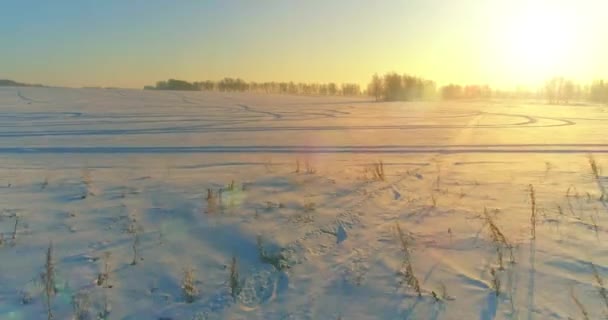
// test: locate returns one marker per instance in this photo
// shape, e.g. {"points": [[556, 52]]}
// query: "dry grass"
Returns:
{"points": [[433, 200], [548, 167], [135, 248], [498, 239], [533, 211], [560, 210], [87, 182], [572, 191], [309, 207], [14, 236], [600, 283], [596, 171], [212, 202], [106, 309], [438, 179], [277, 260], [234, 279], [442, 295], [104, 276], [269, 166], [81, 304], [435, 296], [569, 196], [408, 273], [595, 168], [579, 305], [188, 285], [495, 281], [310, 169], [48, 279], [378, 170], [596, 228]]}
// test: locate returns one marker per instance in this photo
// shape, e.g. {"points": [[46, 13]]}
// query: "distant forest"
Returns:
{"points": [[396, 87], [11, 83], [240, 85]]}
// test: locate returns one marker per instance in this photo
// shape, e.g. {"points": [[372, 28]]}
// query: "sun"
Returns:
{"points": [[540, 41]]}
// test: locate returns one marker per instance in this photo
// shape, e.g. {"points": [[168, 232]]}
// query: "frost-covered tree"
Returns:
{"points": [[375, 87]]}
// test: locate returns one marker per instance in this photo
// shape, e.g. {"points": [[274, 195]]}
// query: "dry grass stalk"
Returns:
{"points": [[105, 313], [572, 191], [568, 197], [309, 168], [309, 207], [462, 194], [548, 167], [579, 305], [596, 228], [277, 260], [533, 212], [80, 304], [234, 280], [268, 165], [212, 202], [378, 170], [87, 181], [444, 292], [495, 281], [104, 276], [189, 289], [596, 170], [438, 180], [135, 247], [600, 282], [48, 279], [408, 274], [499, 240], [14, 236], [435, 296]]}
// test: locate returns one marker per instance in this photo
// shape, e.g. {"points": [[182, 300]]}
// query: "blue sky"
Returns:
{"points": [[132, 43]]}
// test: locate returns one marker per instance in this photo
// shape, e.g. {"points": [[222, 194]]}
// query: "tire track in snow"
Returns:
{"points": [[529, 123], [249, 109], [29, 100], [321, 240], [349, 218], [435, 150]]}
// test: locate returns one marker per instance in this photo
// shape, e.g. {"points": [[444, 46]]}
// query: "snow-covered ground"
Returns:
{"points": [[98, 172]]}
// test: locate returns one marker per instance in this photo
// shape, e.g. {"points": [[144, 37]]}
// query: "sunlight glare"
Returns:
{"points": [[540, 40]]}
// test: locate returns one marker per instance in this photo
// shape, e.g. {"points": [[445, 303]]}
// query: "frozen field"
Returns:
{"points": [[288, 186]]}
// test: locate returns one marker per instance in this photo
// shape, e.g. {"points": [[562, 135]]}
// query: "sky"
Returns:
{"points": [[132, 43]]}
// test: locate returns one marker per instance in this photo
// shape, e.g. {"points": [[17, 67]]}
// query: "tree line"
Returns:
{"points": [[393, 87], [240, 85], [11, 83], [396, 87]]}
